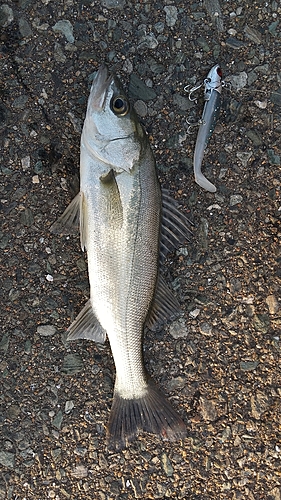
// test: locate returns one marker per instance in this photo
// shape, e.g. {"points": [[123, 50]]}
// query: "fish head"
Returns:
{"points": [[112, 132]]}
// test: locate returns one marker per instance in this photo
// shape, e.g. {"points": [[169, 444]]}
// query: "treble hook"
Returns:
{"points": [[192, 90], [191, 125]]}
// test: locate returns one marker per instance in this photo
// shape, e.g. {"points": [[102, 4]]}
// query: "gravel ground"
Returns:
{"points": [[219, 364]]}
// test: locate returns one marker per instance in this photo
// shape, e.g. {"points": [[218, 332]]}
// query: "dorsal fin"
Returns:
{"points": [[175, 228], [164, 306]]}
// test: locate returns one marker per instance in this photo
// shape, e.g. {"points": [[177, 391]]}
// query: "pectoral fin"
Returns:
{"points": [[112, 199], [164, 306], [86, 326]]}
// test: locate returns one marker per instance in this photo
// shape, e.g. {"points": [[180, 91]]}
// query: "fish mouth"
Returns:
{"points": [[99, 88]]}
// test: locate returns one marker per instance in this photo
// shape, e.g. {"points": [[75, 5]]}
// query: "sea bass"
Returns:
{"points": [[126, 227]]}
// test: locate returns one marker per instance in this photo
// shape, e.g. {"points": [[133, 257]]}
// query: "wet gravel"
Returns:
{"points": [[220, 363]]}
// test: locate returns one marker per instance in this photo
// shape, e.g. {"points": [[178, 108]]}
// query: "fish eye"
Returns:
{"points": [[120, 106]]}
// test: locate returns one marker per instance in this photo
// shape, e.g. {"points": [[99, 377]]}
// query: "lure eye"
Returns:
{"points": [[219, 72], [120, 106]]}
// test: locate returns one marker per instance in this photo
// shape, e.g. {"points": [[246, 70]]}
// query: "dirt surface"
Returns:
{"points": [[219, 364]]}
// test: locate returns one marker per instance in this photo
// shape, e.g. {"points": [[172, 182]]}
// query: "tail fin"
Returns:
{"points": [[151, 413]]}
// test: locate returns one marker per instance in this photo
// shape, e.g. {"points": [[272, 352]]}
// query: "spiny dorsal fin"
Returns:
{"points": [[86, 326]]}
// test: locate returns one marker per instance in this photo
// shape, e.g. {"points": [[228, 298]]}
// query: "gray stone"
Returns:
{"points": [[273, 158], [72, 364], [171, 15], [80, 471], [46, 330], [167, 466], [148, 42], [238, 81], [259, 404], [138, 89], [205, 329], [235, 199], [113, 4], [141, 108], [20, 102], [26, 217], [181, 102], [254, 137], [248, 365], [272, 28], [178, 329], [57, 421], [65, 28], [234, 43], [7, 459], [275, 97], [244, 157], [69, 405], [4, 343], [25, 29], [6, 15], [253, 34]]}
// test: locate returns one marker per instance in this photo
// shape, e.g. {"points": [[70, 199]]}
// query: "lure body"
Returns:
{"points": [[212, 97]]}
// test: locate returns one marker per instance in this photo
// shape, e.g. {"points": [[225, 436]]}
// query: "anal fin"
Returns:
{"points": [[86, 326]]}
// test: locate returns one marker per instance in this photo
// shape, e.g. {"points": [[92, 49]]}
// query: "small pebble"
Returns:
{"points": [[6, 15], [141, 108], [178, 329], [46, 330], [235, 199], [7, 459], [205, 329], [25, 163], [65, 28], [171, 15], [167, 466], [69, 405], [272, 303], [248, 365], [80, 471]]}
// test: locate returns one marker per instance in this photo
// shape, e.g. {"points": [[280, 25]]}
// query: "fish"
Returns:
{"points": [[127, 226], [212, 97]]}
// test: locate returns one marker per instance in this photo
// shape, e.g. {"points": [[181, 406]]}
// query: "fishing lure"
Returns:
{"points": [[212, 96]]}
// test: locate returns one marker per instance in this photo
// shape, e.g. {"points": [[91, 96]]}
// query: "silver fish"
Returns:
{"points": [[212, 97], [121, 209]]}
